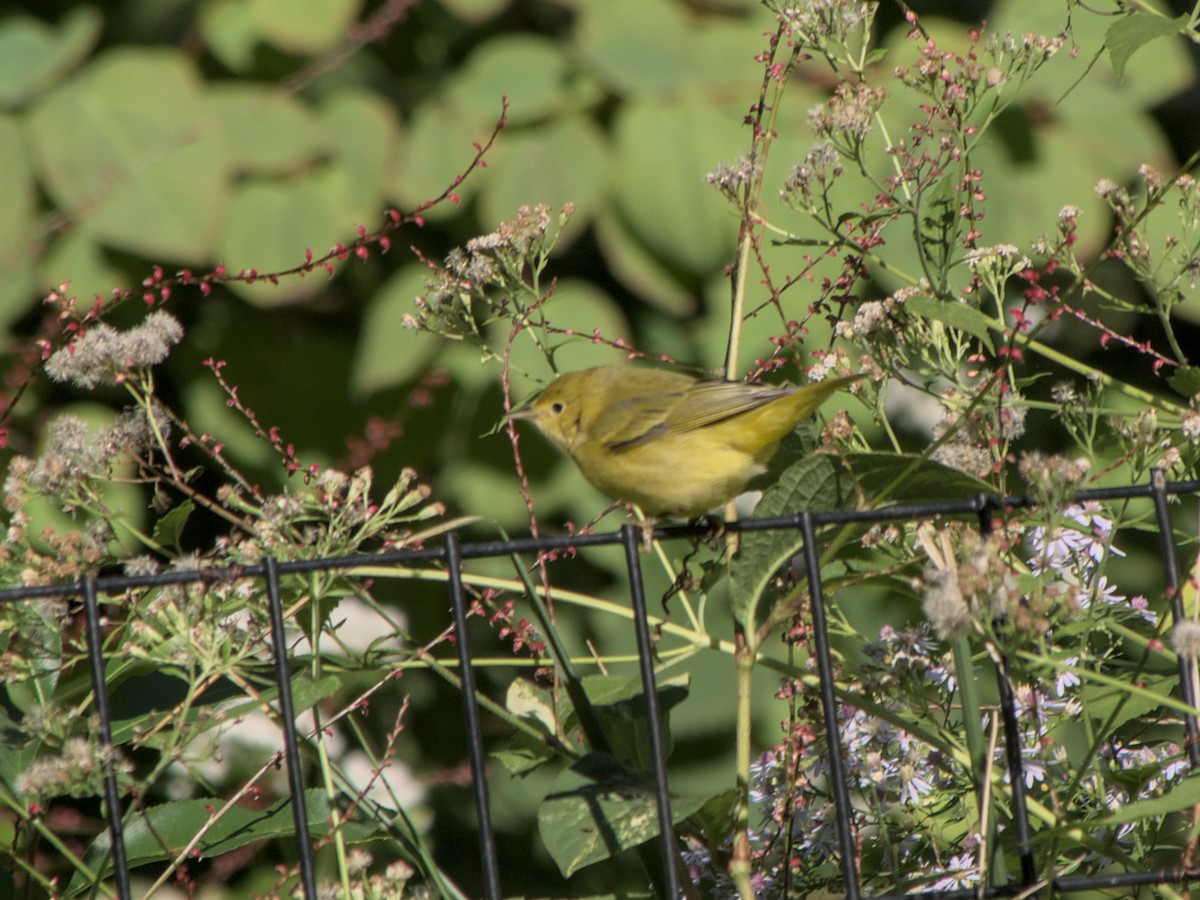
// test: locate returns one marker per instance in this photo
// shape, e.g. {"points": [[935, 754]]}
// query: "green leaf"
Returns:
{"points": [[267, 131], [145, 168], [17, 753], [362, 136], [529, 701], [896, 477], [636, 47], [270, 226], [155, 834], [1186, 381], [620, 704], [559, 163], [956, 315], [144, 695], [524, 754], [532, 71], [18, 201], [34, 55], [1184, 795], [169, 529], [389, 354], [687, 223], [718, 816], [304, 26], [1114, 706], [580, 309], [78, 258], [600, 807], [816, 483], [640, 271], [1129, 33]]}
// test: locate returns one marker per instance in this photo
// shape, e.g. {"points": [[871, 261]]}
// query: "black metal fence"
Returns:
{"points": [[453, 553]]}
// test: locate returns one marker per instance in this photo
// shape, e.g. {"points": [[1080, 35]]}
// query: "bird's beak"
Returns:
{"points": [[520, 415]]}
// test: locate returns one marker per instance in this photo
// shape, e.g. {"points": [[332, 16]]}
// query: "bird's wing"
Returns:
{"points": [[702, 403], [627, 423]]}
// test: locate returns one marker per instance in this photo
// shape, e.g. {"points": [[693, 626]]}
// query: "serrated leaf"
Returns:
{"points": [[1115, 706], [896, 477], [1128, 34], [956, 315], [816, 483], [600, 807]]}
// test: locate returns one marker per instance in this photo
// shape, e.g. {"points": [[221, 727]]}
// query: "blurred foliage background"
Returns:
{"points": [[242, 133]]}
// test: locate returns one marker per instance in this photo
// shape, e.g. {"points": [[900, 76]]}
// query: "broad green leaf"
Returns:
{"points": [[660, 188], [1182, 796], [35, 55], [270, 227], [306, 693], [582, 310], [637, 46], [304, 26], [168, 530], [524, 754], [619, 702], [893, 477], [268, 132], [1185, 381], [600, 807], [641, 272], [389, 354], [957, 315], [363, 138], [563, 162], [437, 150], [156, 833], [228, 30], [816, 483], [528, 701], [145, 168], [77, 259], [18, 196], [532, 71], [1132, 32], [475, 11]]}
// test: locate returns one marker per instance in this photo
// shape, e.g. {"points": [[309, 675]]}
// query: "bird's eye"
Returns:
{"points": [[557, 407]]}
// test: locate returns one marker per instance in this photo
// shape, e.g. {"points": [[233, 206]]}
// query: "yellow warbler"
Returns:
{"points": [[670, 443]]}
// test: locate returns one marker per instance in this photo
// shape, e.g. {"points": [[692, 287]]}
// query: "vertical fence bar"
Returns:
{"points": [[1012, 733], [1158, 485], [837, 769], [112, 795], [487, 837], [291, 740], [631, 538]]}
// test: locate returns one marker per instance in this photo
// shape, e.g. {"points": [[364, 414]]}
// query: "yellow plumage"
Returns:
{"points": [[670, 443]]}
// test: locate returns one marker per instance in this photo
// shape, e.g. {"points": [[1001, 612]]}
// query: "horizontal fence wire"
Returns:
{"points": [[453, 553]]}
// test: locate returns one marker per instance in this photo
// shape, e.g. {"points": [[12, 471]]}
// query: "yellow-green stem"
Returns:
{"points": [[740, 864]]}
